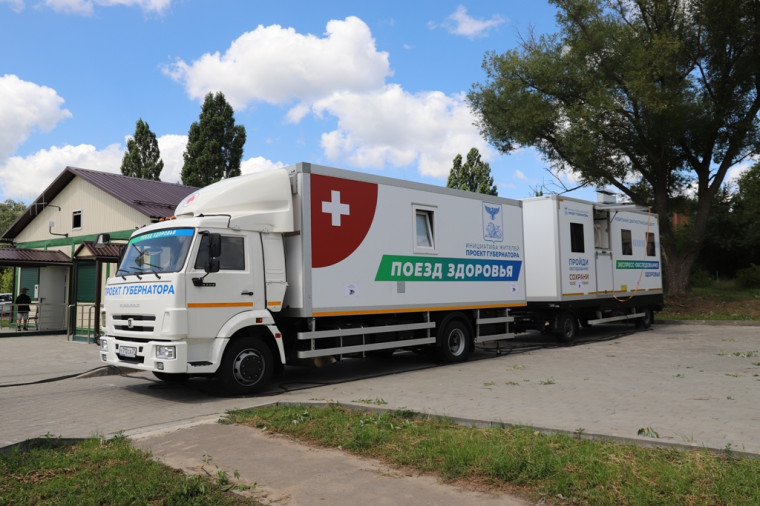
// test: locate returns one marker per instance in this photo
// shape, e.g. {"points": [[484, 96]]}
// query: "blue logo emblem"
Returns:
{"points": [[493, 223]]}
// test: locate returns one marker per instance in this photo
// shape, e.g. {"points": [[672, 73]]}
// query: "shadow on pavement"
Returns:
{"points": [[296, 378]]}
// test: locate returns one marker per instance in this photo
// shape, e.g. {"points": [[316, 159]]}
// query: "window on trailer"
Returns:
{"points": [[650, 245], [576, 238], [424, 229], [626, 242]]}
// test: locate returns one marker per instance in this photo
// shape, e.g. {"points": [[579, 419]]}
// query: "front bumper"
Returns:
{"points": [[143, 355]]}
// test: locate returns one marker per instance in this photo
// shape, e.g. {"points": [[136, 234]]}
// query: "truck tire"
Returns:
{"points": [[453, 341], [645, 321], [171, 378], [567, 327], [247, 366]]}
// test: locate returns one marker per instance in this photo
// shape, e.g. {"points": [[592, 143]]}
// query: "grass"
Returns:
{"points": [[98, 471], [721, 300], [550, 468]]}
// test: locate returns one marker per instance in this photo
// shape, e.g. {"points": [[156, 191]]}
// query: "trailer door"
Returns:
{"points": [[604, 270]]}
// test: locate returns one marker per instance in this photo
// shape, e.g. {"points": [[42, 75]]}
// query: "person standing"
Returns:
{"points": [[22, 309]]}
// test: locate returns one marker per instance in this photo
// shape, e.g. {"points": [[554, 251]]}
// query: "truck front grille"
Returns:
{"points": [[134, 322]]}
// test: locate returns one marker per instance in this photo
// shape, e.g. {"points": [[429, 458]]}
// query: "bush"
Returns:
{"points": [[700, 278], [749, 277]]}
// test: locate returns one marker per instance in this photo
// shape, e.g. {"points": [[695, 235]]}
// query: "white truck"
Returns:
{"points": [[310, 263]]}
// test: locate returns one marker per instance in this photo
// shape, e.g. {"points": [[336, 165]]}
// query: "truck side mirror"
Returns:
{"points": [[213, 251], [212, 265], [214, 245]]}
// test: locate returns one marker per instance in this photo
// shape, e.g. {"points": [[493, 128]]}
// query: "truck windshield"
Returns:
{"points": [[157, 252]]}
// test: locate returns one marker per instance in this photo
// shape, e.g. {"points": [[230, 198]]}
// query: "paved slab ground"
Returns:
{"points": [[693, 385]]}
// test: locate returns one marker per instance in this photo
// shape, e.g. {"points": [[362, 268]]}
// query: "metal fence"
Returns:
{"points": [[41, 317]]}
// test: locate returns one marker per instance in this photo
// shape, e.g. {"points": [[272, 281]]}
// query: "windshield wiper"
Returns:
{"points": [[154, 271], [140, 262]]}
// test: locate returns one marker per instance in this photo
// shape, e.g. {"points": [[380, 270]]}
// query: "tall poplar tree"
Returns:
{"points": [[214, 144], [474, 175], [143, 158]]}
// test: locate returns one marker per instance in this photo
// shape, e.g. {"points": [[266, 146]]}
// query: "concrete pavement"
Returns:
{"points": [[690, 385]]}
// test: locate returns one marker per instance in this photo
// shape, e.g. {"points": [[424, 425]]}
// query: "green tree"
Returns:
{"points": [[746, 208], [473, 176], [6, 279], [10, 210], [647, 96], [143, 158], [721, 253], [214, 144]]}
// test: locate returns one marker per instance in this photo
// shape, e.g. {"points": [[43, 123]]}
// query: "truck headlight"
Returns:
{"points": [[166, 352], [103, 345]]}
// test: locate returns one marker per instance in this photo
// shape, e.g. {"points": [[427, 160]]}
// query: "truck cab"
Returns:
{"points": [[186, 287]]}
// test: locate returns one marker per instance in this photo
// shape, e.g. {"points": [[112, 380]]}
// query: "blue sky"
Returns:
{"points": [[371, 86]]}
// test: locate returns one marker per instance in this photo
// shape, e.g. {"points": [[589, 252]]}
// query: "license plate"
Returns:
{"points": [[128, 351]]}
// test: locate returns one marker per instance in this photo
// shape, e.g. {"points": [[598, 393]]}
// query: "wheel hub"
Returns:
{"points": [[456, 342], [248, 367]]}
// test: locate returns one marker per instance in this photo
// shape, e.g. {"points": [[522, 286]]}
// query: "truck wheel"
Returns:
{"points": [[171, 378], [645, 321], [453, 344], [247, 366], [567, 326]]}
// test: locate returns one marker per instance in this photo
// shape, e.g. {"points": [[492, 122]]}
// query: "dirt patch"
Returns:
{"points": [[710, 307]]}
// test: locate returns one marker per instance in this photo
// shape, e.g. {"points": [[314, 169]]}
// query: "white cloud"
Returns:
{"points": [[87, 7], [460, 23], [258, 164], [171, 147], [277, 65], [24, 108], [735, 172], [15, 5], [519, 175], [390, 126], [297, 113], [24, 178]]}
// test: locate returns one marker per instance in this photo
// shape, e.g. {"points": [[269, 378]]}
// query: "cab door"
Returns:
{"points": [[237, 286]]}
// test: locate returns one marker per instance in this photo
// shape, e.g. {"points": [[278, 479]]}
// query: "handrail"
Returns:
{"points": [[89, 322]]}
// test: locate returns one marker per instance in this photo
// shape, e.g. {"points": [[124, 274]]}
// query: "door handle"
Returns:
{"points": [[246, 293]]}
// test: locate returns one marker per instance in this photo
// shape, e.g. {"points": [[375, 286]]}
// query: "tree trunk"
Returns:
{"points": [[677, 266], [680, 248]]}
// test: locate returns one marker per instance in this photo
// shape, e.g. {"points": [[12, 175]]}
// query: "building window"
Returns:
{"points": [[650, 245], [626, 242], [576, 238], [76, 220], [424, 229]]}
